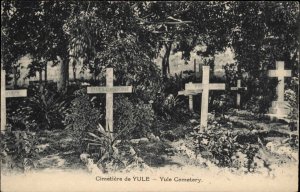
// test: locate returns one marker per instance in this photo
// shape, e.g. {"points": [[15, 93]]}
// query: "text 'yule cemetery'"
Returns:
{"points": [[278, 109]]}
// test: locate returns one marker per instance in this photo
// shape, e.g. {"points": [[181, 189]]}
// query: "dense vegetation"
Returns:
{"points": [[128, 36]]}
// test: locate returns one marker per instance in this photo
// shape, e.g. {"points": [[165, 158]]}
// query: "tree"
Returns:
{"points": [[107, 34], [39, 33], [13, 44], [264, 32]]}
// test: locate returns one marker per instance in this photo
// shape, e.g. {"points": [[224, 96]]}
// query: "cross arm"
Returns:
{"points": [[193, 86], [217, 86], [189, 92], [238, 88], [116, 89], [16, 93], [280, 73]]}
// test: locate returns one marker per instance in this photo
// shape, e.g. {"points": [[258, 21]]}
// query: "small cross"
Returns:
{"points": [[238, 88], [280, 73], [205, 86], [5, 94], [110, 89], [189, 93]]}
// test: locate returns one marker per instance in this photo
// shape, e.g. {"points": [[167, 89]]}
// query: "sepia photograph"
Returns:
{"points": [[149, 96]]}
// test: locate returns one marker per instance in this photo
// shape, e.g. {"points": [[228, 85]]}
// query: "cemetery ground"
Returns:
{"points": [[236, 143], [49, 130]]}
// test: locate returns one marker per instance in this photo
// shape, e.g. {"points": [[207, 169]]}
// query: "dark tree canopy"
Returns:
{"points": [[129, 35]]}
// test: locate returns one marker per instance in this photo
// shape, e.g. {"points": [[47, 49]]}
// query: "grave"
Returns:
{"points": [[279, 108], [6, 94], [110, 89], [239, 89], [205, 86]]}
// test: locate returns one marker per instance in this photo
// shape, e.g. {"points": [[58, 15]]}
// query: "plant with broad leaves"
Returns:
{"points": [[18, 150], [109, 151], [47, 107]]}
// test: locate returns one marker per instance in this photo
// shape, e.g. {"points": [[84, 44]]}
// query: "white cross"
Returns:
{"points": [[109, 90], [205, 86], [189, 93], [238, 88], [280, 73], [5, 94]]}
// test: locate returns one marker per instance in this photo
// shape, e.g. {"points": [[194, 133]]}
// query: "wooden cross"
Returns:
{"points": [[109, 90], [280, 73], [5, 94], [189, 93], [205, 86], [238, 88]]}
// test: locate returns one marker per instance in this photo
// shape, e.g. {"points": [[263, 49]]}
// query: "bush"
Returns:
{"points": [[18, 150], [42, 109], [110, 153], [48, 108], [221, 146], [133, 119], [222, 104], [82, 117], [170, 108], [292, 98]]}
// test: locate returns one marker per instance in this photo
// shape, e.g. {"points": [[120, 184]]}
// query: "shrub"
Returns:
{"points": [[42, 109], [171, 108], [81, 117], [222, 104], [260, 93], [221, 146], [110, 153], [291, 98], [18, 150], [133, 119]]}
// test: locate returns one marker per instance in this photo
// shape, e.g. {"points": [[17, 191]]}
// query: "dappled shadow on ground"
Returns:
{"points": [[174, 147]]}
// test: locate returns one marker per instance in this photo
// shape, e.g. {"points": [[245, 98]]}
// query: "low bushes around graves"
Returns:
{"points": [[111, 153], [81, 117], [19, 150], [221, 145], [292, 98], [43, 109], [133, 119], [48, 107]]}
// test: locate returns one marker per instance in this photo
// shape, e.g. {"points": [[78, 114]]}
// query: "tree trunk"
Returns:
{"points": [[74, 70], [46, 73], [163, 66], [15, 77], [41, 76], [63, 75], [165, 61]]}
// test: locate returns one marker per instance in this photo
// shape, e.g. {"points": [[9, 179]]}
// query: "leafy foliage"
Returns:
{"points": [[222, 147], [293, 100], [18, 150], [44, 108], [128, 36], [47, 107], [81, 117], [110, 152], [222, 104], [133, 120]]}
